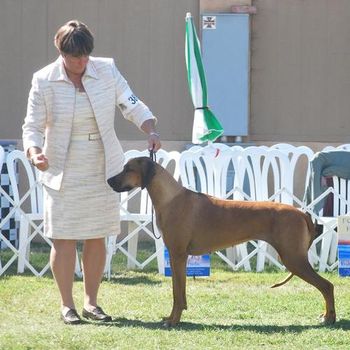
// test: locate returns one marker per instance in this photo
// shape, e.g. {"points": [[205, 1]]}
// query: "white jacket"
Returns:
{"points": [[51, 102]]}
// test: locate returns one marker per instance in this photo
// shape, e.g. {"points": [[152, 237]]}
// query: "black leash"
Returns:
{"points": [[153, 156]]}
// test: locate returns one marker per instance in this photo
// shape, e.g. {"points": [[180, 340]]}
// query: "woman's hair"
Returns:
{"points": [[74, 38]]}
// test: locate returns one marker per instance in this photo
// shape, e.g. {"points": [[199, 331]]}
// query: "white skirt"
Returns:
{"points": [[85, 207]]}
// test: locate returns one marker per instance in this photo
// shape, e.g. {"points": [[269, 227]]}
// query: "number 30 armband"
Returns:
{"points": [[127, 101]]}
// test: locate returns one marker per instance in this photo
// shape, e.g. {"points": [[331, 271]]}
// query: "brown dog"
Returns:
{"points": [[194, 224]]}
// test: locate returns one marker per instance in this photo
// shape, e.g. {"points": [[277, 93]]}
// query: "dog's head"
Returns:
{"points": [[137, 172]]}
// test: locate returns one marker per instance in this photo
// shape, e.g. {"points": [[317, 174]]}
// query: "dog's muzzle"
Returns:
{"points": [[115, 183]]}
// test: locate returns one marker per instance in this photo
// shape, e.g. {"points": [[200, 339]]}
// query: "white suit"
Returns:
{"points": [[50, 112]]}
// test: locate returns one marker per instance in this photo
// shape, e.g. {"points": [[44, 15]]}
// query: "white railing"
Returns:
{"points": [[321, 253]]}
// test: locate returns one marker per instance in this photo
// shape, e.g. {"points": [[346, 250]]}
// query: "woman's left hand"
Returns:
{"points": [[154, 141]]}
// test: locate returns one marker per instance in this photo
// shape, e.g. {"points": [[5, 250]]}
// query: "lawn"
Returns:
{"points": [[228, 310]]}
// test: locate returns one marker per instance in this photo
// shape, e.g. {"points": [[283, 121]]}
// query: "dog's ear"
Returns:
{"points": [[148, 169]]}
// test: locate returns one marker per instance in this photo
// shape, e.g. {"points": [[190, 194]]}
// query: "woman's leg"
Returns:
{"points": [[62, 261], [93, 263]]}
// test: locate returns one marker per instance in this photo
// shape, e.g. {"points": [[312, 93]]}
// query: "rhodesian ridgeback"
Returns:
{"points": [[194, 224]]}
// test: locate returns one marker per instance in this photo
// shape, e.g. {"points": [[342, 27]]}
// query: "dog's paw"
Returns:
{"points": [[327, 320], [166, 324], [169, 322]]}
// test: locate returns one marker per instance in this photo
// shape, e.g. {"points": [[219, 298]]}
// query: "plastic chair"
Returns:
{"points": [[207, 170], [265, 174], [234, 182], [323, 251], [27, 218], [2, 158], [136, 210], [327, 242], [329, 239], [295, 155], [200, 171]]}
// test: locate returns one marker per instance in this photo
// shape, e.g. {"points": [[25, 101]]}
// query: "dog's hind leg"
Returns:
{"points": [[178, 266], [300, 266]]}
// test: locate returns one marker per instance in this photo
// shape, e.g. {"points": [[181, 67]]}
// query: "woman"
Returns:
{"points": [[68, 134]]}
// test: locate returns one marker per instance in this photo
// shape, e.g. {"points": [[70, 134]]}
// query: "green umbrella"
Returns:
{"points": [[205, 125]]}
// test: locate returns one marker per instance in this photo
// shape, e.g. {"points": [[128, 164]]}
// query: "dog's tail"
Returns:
{"points": [[283, 282]]}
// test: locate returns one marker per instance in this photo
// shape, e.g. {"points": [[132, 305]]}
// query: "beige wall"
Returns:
{"points": [[300, 62], [221, 5], [300, 71]]}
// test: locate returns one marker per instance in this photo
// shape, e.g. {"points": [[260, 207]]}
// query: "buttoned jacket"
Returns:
{"points": [[50, 112]]}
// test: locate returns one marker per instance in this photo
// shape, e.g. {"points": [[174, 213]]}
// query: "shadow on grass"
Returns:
{"points": [[133, 280], [124, 280], [122, 322]]}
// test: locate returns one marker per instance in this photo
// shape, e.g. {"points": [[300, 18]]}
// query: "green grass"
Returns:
{"points": [[229, 310]]}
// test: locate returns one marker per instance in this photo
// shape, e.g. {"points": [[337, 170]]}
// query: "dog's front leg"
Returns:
{"points": [[178, 266]]}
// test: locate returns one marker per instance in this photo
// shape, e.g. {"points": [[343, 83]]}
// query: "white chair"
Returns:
{"points": [[136, 211], [324, 248], [265, 174], [296, 155], [341, 206], [207, 170], [27, 219], [29, 210], [329, 239], [200, 170], [233, 186], [2, 158], [8, 211]]}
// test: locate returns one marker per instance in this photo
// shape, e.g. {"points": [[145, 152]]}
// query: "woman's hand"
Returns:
{"points": [[148, 127], [154, 141], [40, 161]]}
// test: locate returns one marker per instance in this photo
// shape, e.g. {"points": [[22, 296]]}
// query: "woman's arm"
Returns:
{"points": [[135, 110], [34, 127]]}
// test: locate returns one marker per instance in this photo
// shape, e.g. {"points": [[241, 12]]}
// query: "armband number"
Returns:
{"points": [[133, 99]]}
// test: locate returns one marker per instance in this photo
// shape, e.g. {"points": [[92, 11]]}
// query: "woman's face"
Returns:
{"points": [[75, 64]]}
